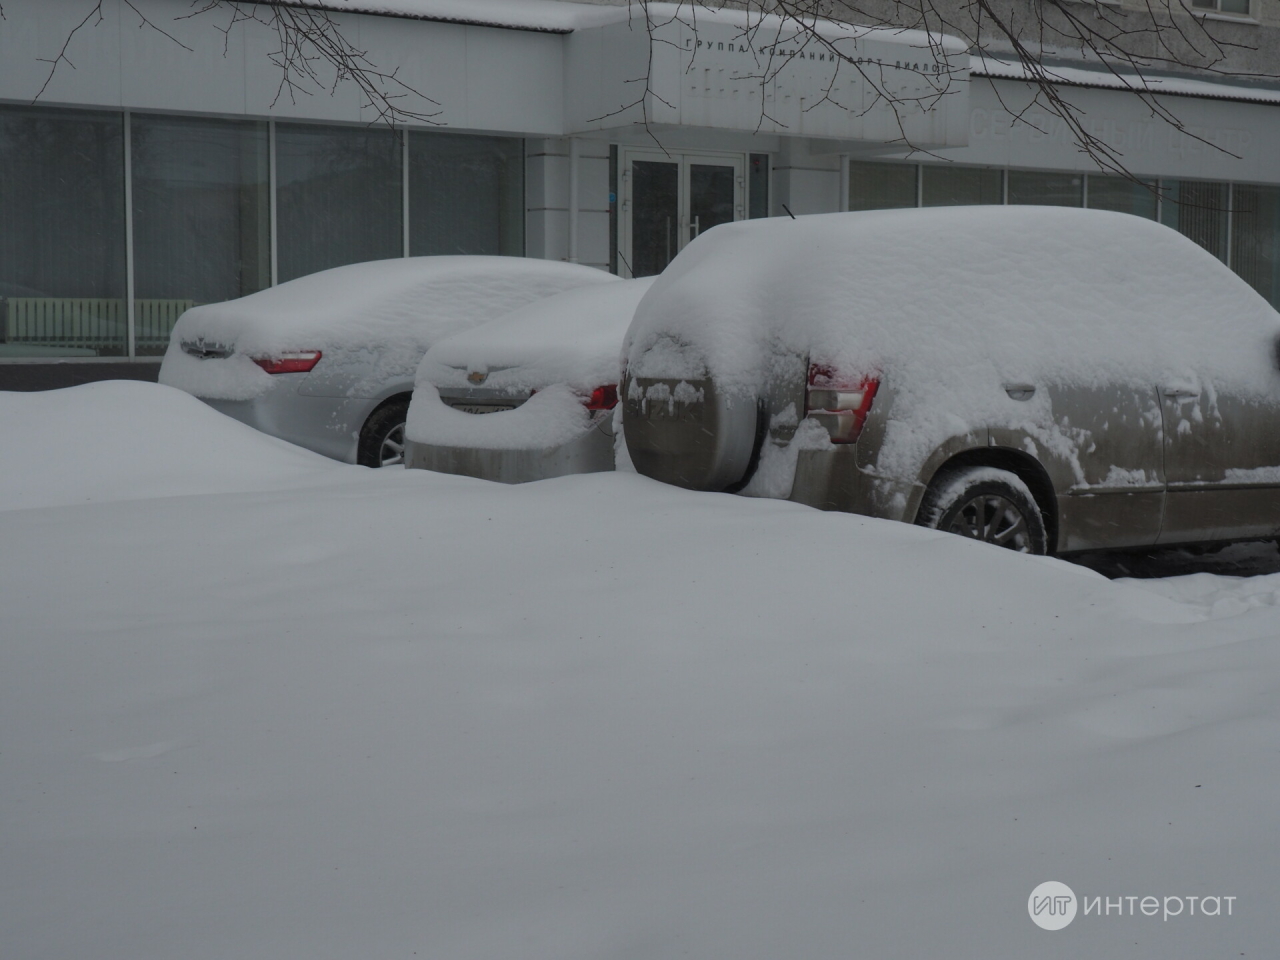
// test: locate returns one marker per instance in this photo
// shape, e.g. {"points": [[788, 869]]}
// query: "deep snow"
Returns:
{"points": [[548, 419], [128, 440], [386, 713]]}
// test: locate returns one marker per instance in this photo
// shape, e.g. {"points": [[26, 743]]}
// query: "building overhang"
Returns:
{"points": [[733, 71]]}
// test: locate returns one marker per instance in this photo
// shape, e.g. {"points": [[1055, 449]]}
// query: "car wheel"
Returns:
{"points": [[382, 439], [987, 504]]}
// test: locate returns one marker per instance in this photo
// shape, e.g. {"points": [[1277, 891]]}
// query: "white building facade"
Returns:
{"points": [[164, 163]]}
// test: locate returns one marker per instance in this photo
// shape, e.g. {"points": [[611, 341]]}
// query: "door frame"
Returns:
{"points": [[684, 159]]}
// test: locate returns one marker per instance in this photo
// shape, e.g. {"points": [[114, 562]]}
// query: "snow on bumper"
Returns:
{"points": [[550, 435]]}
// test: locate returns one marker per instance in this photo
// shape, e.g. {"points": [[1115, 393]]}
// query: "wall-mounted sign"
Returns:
{"points": [[733, 72]]}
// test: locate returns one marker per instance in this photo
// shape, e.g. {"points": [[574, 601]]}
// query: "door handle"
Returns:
{"points": [[1180, 393]]}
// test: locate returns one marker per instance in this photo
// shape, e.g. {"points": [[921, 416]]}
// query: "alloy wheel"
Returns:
{"points": [[992, 519], [392, 450]]}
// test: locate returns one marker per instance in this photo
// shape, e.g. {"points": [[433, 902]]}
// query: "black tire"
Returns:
{"points": [[988, 504], [383, 435]]}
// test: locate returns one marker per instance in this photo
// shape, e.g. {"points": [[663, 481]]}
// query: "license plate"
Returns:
{"points": [[484, 407]]}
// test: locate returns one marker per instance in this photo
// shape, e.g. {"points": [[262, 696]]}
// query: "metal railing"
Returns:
{"points": [[88, 322]]}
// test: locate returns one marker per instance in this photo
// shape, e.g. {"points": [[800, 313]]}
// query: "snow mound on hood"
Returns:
{"points": [[126, 440], [947, 302], [572, 338], [383, 314], [548, 419]]}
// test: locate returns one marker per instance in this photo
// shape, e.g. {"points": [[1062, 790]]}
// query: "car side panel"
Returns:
{"points": [[361, 372], [327, 425], [1222, 458], [848, 477], [1102, 450]]}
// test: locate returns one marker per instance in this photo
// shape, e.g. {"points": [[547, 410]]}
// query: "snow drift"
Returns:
{"points": [[126, 440], [596, 718], [548, 419]]}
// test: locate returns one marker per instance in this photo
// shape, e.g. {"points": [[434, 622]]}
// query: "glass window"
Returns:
{"points": [[62, 237], [1122, 195], [466, 194], [655, 216], [758, 202], [1198, 210], [881, 186], [1255, 238], [201, 218], [339, 197], [945, 186], [1237, 7], [1046, 189]]}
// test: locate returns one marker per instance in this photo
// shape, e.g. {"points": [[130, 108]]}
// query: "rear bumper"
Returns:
{"points": [[592, 452], [832, 480]]}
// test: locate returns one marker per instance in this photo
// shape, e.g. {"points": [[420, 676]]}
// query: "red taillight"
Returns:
{"points": [[840, 404], [603, 398], [300, 362]]}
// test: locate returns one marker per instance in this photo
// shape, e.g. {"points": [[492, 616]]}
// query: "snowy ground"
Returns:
{"points": [[258, 704]]}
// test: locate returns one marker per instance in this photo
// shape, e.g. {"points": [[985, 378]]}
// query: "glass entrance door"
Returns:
{"points": [[655, 215], [670, 200]]}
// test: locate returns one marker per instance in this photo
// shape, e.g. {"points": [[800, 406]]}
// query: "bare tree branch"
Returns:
{"points": [[310, 43], [1130, 46], [314, 54]]}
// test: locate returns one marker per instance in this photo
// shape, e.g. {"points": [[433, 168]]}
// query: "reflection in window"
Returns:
{"points": [[758, 186], [1239, 8], [1046, 189], [1198, 210], [881, 186], [1122, 195], [945, 186], [201, 218], [466, 195], [655, 216], [338, 197], [1255, 230], [62, 260]]}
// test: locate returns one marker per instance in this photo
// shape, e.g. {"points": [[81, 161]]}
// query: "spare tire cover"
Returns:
{"points": [[685, 432]]}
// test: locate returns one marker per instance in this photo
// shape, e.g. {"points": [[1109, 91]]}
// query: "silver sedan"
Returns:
{"points": [[327, 361], [546, 379]]}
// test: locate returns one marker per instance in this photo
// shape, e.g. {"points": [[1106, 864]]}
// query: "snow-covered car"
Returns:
{"points": [[327, 361], [546, 379], [1045, 379]]}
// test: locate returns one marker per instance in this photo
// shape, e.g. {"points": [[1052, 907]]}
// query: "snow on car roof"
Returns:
{"points": [[416, 298], [382, 315], [1025, 292], [572, 338]]}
